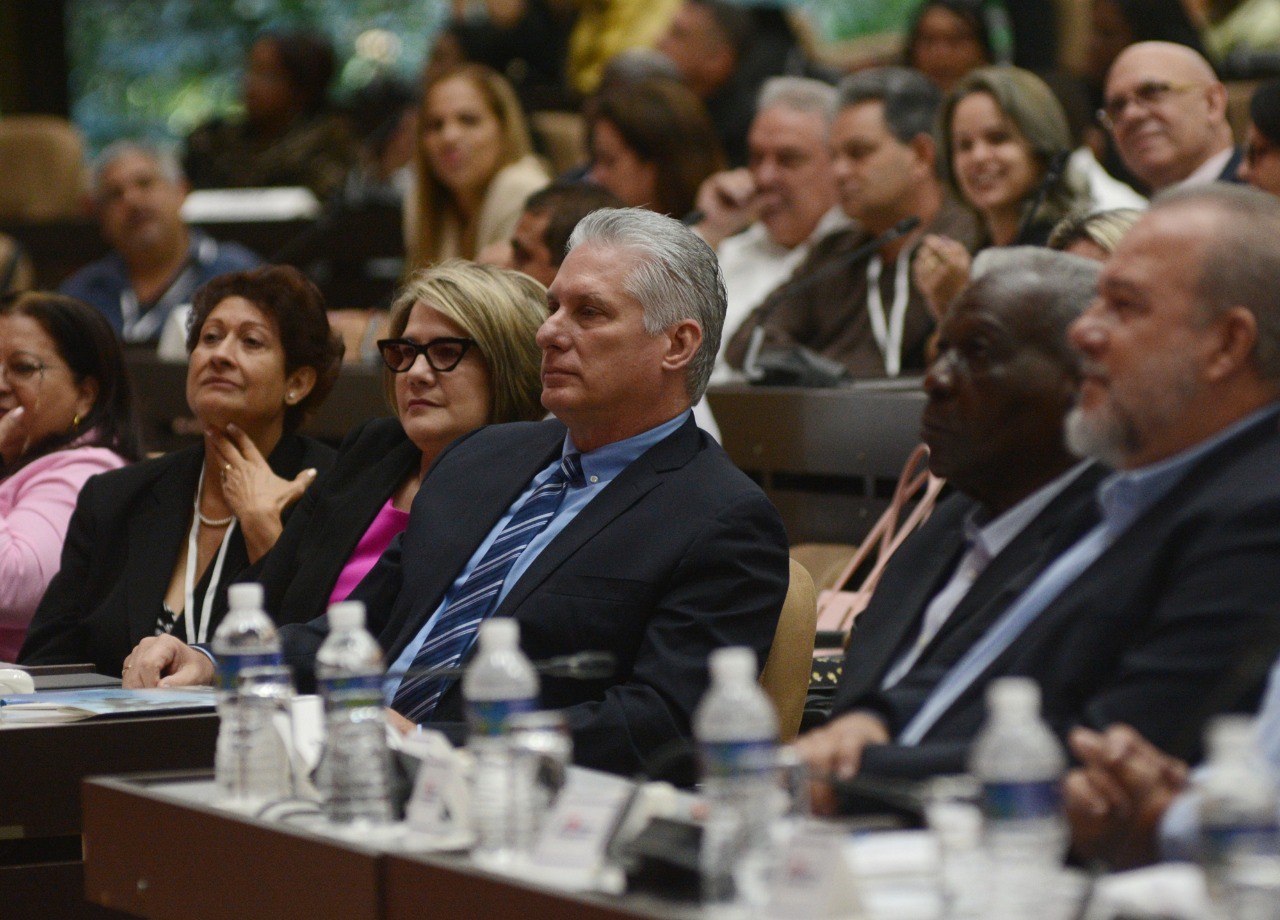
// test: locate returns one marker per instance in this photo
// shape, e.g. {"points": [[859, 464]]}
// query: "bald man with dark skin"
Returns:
{"points": [[999, 390], [1167, 111]]}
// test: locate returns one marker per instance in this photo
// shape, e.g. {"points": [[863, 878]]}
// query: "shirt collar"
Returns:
{"points": [[604, 463], [1125, 494], [1208, 171], [996, 533]]}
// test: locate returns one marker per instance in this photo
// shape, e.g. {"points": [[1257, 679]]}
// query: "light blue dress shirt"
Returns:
{"points": [[1180, 827], [599, 468]]}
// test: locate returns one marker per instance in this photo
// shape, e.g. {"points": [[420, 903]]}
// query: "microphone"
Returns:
{"points": [[1052, 175], [750, 361], [590, 665]]}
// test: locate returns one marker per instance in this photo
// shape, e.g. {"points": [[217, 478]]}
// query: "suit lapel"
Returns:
{"points": [[919, 569], [451, 501], [349, 511], [157, 535], [628, 488], [1045, 538]]}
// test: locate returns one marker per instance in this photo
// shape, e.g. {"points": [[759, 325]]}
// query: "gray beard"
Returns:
{"points": [[1102, 438]]}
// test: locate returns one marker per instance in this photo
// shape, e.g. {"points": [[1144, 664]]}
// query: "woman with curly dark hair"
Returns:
{"points": [[151, 547]]}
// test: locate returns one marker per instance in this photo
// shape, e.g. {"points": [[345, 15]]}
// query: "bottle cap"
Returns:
{"points": [[1014, 695], [247, 595], [500, 633], [735, 664], [346, 615], [1229, 735]]}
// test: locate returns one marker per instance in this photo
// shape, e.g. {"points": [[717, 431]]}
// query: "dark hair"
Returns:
{"points": [[1264, 110], [297, 307], [1160, 21], [732, 22], [910, 101], [85, 340], [308, 59], [972, 12], [664, 123], [566, 203]]}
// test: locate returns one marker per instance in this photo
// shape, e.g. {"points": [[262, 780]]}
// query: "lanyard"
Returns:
{"points": [[139, 326], [888, 332], [199, 632]]}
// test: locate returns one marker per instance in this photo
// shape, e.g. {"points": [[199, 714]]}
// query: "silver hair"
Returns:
{"points": [[163, 157], [798, 94], [678, 277], [1061, 284], [1241, 264]]}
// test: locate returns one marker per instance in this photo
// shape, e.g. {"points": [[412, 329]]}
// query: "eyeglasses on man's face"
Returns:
{"points": [[1146, 96], [443, 354]]}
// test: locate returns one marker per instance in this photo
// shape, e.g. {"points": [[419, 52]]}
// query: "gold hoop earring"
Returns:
{"points": [[75, 422]]}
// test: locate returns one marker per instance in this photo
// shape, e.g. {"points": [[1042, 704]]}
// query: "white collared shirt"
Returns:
{"points": [[985, 541], [1208, 171]]}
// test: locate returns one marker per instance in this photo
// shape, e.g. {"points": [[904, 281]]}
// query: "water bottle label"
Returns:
{"points": [[734, 758], [1041, 799], [351, 690], [1218, 842], [489, 717], [230, 666]]}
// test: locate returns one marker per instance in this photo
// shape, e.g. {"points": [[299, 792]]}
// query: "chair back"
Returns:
{"points": [[785, 677], [43, 174]]}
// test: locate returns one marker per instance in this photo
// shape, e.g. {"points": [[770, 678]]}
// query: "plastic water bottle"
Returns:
{"points": [[354, 775], [1019, 763], [1239, 843], [737, 733], [245, 638], [498, 684]]}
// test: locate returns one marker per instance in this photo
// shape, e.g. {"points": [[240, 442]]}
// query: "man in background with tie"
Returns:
{"points": [[1141, 619], [618, 527]]}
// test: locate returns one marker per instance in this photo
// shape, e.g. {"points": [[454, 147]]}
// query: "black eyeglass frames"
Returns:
{"points": [[443, 354]]}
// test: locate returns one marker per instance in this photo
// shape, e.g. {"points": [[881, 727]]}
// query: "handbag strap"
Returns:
{"points": [[883, 538]]}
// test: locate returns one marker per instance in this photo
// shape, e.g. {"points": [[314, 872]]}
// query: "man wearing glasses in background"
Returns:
{"points": [[1168, 114]]}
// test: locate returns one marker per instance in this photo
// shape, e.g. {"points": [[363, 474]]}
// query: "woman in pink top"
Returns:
{"points": [[460, 354], [65, 414]]}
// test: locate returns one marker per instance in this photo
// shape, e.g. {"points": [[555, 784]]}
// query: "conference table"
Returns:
{"points": [[155, 847], [41, 874]]}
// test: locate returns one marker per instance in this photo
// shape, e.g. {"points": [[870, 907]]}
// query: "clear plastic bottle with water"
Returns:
{"points": [[1019, 763], [245, 638], [354, 774], [737, 734], [499, 683], [1239, 842]]}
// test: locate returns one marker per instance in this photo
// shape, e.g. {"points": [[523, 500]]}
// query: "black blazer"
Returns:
{"points": [[1151, 632], [679, 555], [922, 567], [299, 572], [122, 544]]}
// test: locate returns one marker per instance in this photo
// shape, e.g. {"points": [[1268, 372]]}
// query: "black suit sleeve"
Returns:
{"points": [[728, 590]]}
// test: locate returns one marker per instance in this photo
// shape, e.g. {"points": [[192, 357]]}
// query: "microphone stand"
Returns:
{"points": [[750, 361]]}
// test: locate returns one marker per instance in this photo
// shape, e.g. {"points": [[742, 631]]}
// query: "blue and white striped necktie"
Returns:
{"points": [[456, 628]]}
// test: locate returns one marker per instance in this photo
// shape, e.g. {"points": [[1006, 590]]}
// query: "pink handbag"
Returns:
{"points": [[837, 607]]}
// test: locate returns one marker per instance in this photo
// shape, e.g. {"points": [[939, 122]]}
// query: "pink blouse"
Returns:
{"points": [[35, 508], [388, 522]]}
